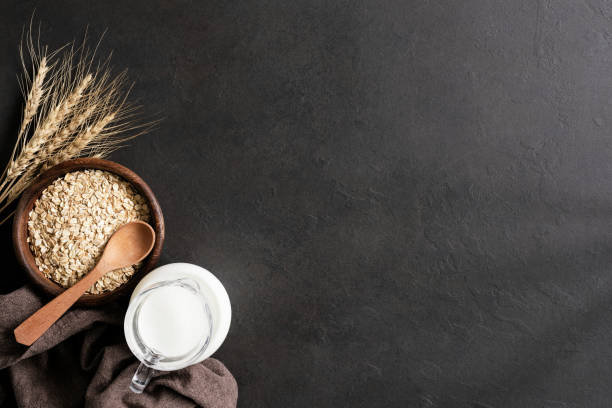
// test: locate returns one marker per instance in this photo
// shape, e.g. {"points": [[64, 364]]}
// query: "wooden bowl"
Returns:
{"points": [[29, 197]]}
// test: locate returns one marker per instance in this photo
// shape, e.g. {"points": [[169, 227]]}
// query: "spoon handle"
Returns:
{"points": [[36, 325]]}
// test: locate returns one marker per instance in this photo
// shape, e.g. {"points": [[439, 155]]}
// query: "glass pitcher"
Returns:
{"points": [[179, 315], [157, 328]]}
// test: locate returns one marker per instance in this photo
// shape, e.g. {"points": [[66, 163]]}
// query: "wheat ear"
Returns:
{"points": [[81, 141], [34, 97], [64, 136], [48, 128], [75, 148], [61, 138]]}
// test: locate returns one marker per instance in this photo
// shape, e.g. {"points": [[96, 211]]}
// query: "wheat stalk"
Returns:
{"points": [[75, 107], [18, 188]]}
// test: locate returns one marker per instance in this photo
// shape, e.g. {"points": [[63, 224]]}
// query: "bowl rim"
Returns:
{"points": [[26, 203]]}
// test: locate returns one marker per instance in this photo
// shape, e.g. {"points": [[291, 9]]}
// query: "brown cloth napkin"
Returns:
{"points": [[83, 360]]}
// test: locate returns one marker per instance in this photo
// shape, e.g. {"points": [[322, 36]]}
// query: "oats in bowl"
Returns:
{"points": [[73, 219]]}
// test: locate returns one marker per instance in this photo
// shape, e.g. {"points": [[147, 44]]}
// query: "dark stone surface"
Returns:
{"points": [[409, 202]]}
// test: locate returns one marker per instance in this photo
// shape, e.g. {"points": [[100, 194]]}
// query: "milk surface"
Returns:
{"points": [[172, 321]]}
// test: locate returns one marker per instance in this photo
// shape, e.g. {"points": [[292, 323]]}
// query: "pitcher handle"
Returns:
{"points": [[141, 378]]}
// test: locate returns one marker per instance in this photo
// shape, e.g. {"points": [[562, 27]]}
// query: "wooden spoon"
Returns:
{"points": [[129, 245]]}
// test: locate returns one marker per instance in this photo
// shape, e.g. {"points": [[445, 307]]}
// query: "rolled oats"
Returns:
{"points": [[73, 219]]}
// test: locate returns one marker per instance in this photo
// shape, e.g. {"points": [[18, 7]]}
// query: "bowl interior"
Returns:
{"points": [[29, 197]]}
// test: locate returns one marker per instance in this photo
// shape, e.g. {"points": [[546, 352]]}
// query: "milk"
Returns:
{"points": [[172, 320]]}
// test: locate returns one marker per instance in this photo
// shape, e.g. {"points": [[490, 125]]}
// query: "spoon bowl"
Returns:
{"points": [[129, 245]]}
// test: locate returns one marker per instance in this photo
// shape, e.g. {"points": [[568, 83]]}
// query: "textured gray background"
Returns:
{"points": [[409, 202]]}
